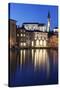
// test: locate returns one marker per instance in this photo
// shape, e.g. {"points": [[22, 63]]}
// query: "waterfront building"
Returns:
{"points": [[12, 32], [55, 29], [32, 34], [53, 39]]}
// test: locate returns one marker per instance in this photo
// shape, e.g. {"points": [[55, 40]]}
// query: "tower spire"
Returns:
{"points": [[48, 14], [48, 25]]}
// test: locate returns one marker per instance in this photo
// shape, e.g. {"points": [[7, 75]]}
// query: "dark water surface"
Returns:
{"points": [[33, 67]]}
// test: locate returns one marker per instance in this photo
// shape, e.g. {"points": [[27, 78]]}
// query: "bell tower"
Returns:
{"points": [[48, 25]]}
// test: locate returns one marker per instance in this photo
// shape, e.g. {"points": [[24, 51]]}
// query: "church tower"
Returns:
{"points": [[48, 25]]}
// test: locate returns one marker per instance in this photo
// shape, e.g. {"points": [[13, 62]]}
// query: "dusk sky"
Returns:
{"points": [[33, 13]]}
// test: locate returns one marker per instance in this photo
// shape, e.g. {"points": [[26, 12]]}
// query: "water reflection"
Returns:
{"points": [[22, 57], [38, 58], [37, 64], [41, 60]]}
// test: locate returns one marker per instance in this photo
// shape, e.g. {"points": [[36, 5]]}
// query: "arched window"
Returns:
{"points": [[32, 43], [37, 43], [41, 42], [44, 43]]}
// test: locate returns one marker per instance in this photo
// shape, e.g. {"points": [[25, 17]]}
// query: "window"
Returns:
{"points": [[21, 44], [44, 43], [35, 38], [24, 44], [37, 42], [17, 35], [21, 34], [32, 43], [41, 42]]}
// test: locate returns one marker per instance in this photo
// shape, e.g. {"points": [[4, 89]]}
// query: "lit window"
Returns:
{"points": [[44, 42], [17, 35], [32, 43], [21, 44], [37, 42], [41, 42], [24, 44], [21, 34], [35, 38]]}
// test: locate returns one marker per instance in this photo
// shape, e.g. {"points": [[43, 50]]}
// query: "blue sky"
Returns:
{"points": [[33, 13]]}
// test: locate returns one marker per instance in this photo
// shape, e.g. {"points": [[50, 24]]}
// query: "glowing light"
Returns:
{"points": [[37, 43], [41, 59], [32, 55], [41, 42], [35, 38], [21, 57], [17, 35], [21, 44], [44, 43], [24, 52], [38, 58], [11, 42], [24, 44], [21, 34], [32, 43]]}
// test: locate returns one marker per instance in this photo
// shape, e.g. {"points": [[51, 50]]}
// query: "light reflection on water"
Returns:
{"points": [[41, 60], [36, 62]]}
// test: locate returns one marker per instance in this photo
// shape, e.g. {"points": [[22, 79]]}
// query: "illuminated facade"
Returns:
{"points": [[31, 37], [53, 40], [32, 34]]}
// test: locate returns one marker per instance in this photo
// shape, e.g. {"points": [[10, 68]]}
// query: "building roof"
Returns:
{"points": [[40, 24], [36, 31], [55, 27], [12, 20], [30, 23]]}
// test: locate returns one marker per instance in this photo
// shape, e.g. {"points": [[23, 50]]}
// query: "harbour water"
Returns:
{"points": [[33, 67]]}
